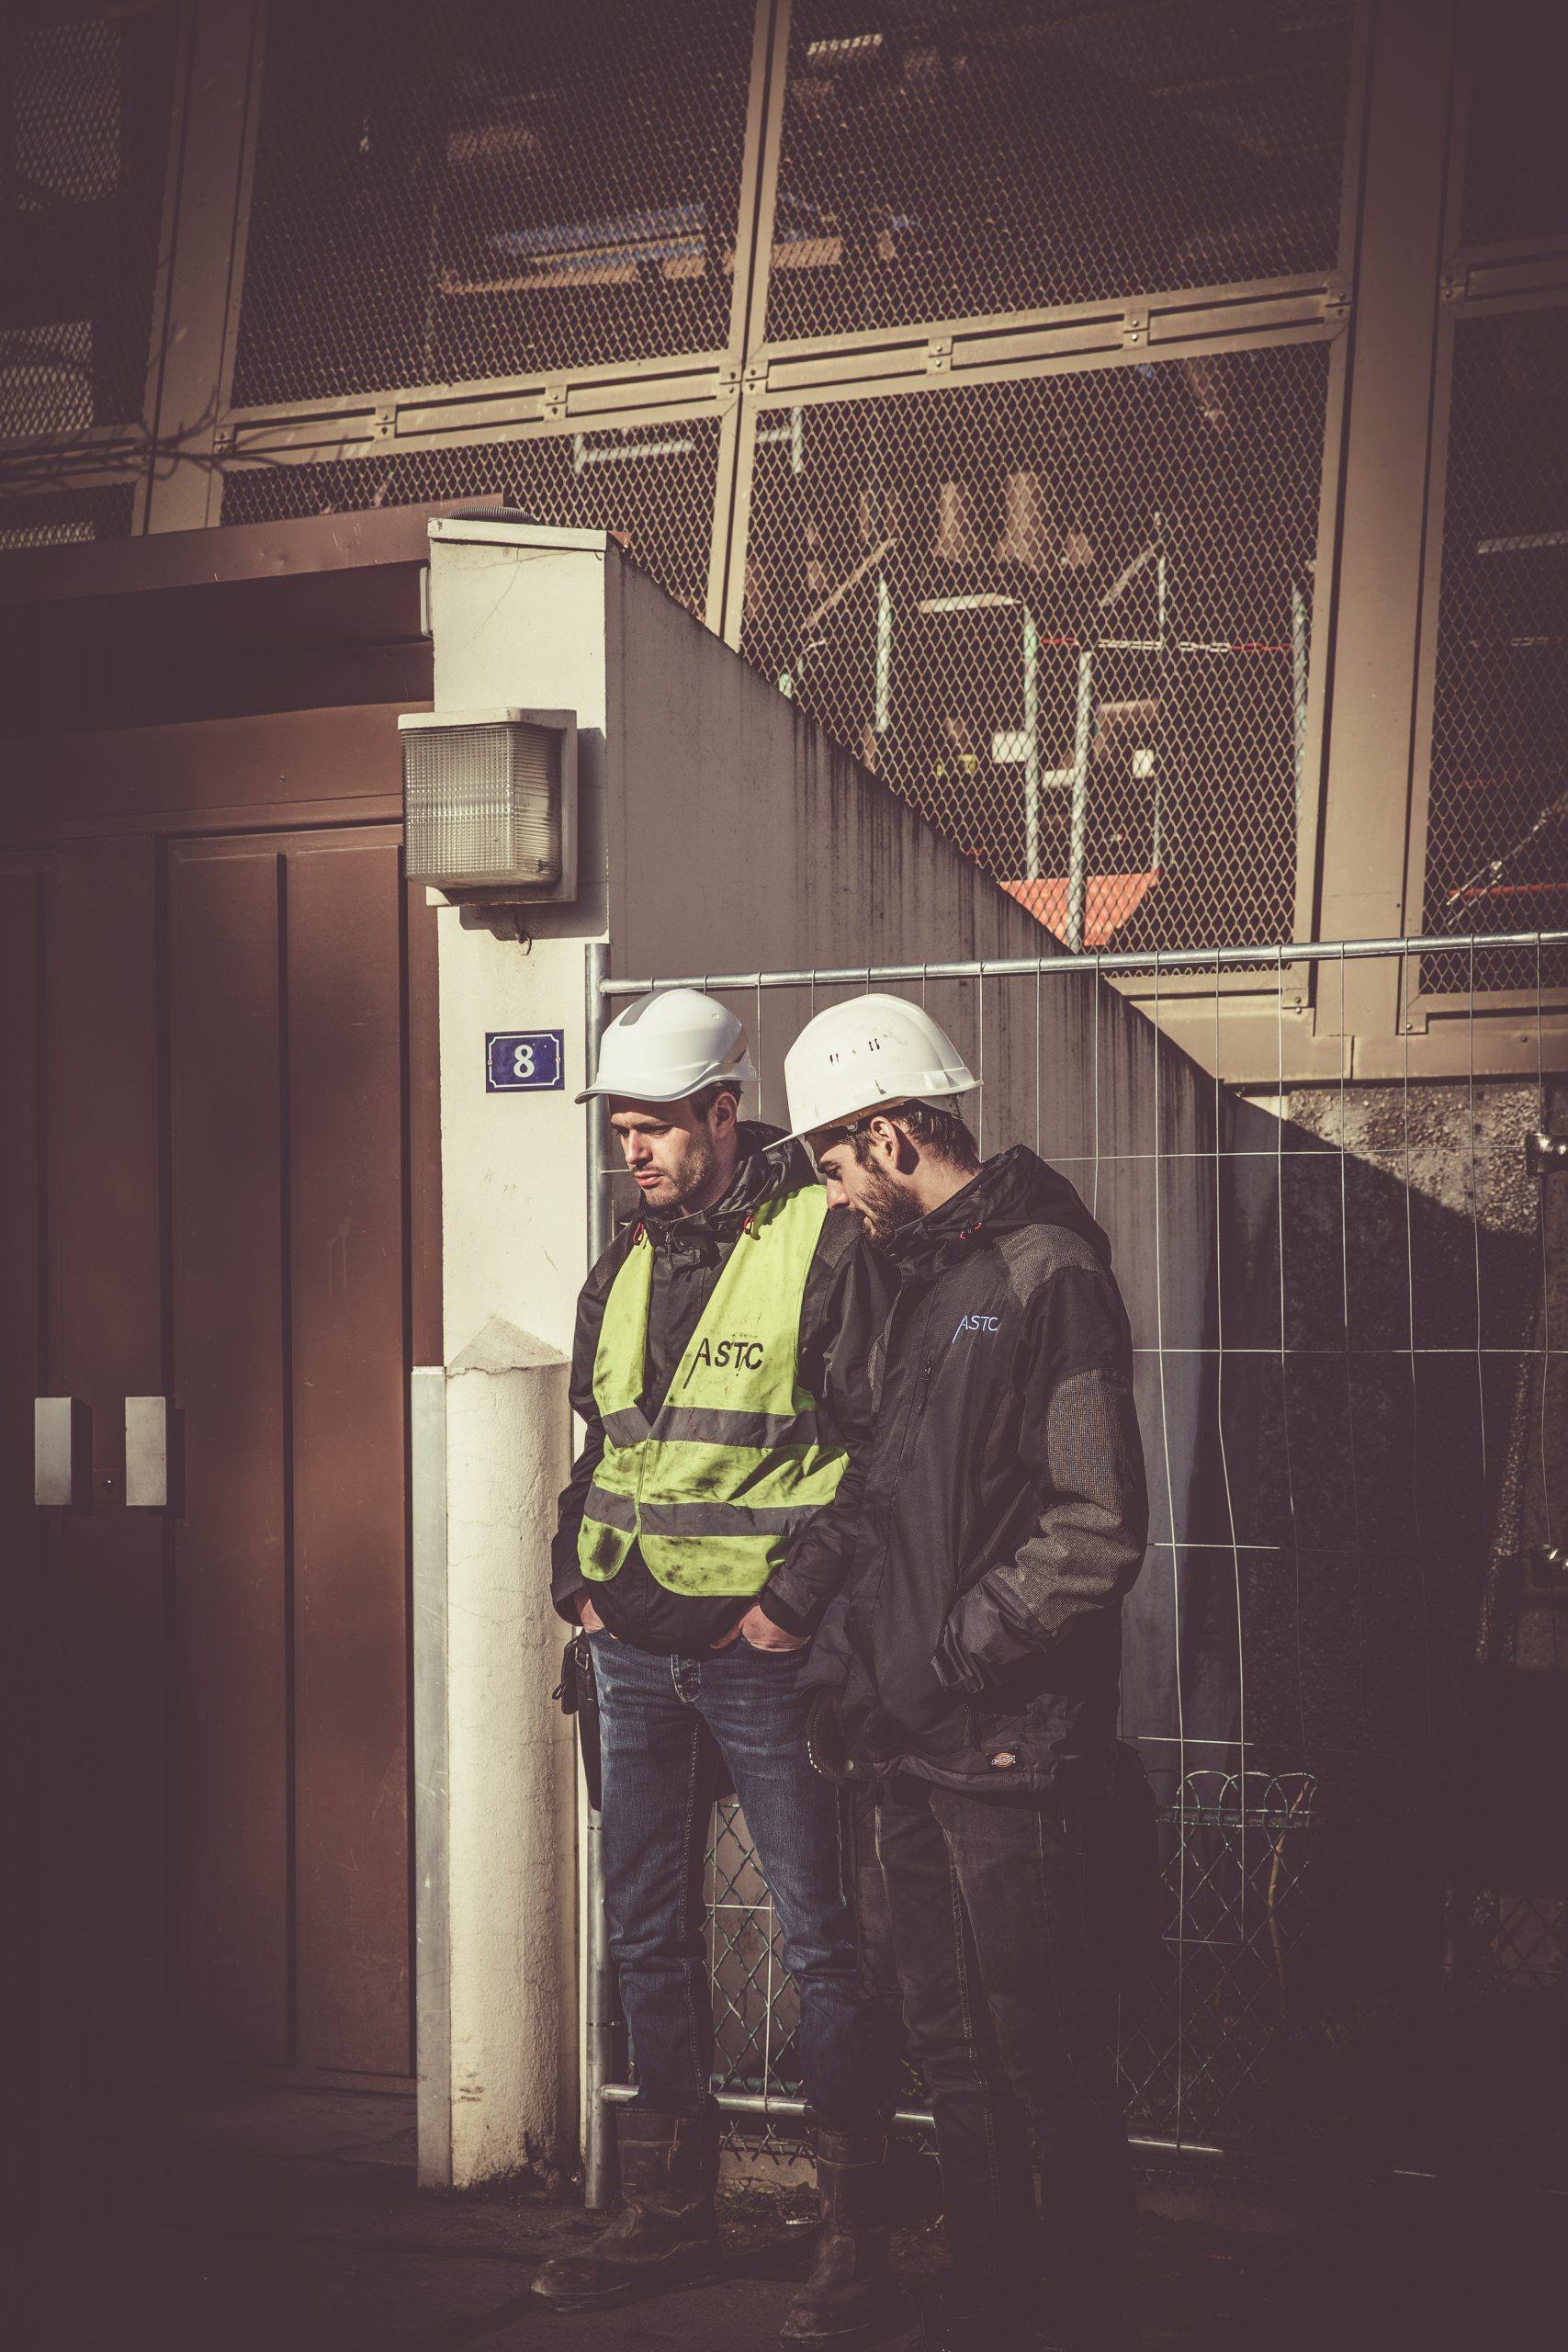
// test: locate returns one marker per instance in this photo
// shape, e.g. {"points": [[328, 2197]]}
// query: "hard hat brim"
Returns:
{"points": [[887, 1104], [744, 1076]]}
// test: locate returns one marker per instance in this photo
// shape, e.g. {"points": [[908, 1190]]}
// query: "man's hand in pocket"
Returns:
{"points": [[763, 1634]]}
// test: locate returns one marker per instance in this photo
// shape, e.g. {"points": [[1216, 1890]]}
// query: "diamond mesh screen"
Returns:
{"points": [[486, 189], [1068, 621], [756, 2006], [1515, 181], [88, 96], [1194, 2055], [1497, 839], [942, 158], [59, 518], [655, 483]]}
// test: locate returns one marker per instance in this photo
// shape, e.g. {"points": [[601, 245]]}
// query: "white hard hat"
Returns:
{"points": [[871, 1050], [667, 1045]]}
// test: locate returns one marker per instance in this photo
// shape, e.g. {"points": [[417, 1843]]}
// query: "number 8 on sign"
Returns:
{"points": [[523, 1061]]}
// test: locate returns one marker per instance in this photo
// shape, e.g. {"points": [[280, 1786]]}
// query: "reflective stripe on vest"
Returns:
{"points": [[731, 1466]]}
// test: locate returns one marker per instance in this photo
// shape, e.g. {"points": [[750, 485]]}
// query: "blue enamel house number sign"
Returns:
{"points": [[523, 1061]]}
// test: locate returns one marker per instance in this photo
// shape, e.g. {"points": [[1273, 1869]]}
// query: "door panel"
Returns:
{"points": [[231, 1595], [102, 1742], [22, 1377], [290, 1236], [220, 1184], [347, 1190]]}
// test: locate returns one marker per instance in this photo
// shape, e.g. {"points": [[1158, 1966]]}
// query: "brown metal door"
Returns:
{"points": [[82, 1317], [291, 1323], [235, 1206]]}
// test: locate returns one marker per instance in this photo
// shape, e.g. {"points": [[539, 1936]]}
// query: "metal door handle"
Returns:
{"points": [[146, 1453], [63, 1449]]}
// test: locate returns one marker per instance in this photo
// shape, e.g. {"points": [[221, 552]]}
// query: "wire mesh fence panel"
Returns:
{"points": [[64, 517], [89, 97], [655, 483], [485, 191], [941, 161], [1497, 836], [1342, 1660], [1516, 177], [757, 2009], [1069, 621]]}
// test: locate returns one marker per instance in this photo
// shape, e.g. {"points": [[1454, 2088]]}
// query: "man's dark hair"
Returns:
{"points": [[941, 1134], [704, 1097]]}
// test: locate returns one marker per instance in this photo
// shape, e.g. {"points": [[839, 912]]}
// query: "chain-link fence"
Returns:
{"points": [[1345, 1656], [1191, 2057], [652, 483], [1070, 622], [66, 517], [89, 94], [940, 159], [483, 190], [1497, 829]]}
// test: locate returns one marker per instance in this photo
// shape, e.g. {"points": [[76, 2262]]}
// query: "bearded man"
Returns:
{"points": [[974, 1567]]}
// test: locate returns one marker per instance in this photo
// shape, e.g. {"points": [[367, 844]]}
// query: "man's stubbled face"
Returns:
{"points": [[674, 1155]]}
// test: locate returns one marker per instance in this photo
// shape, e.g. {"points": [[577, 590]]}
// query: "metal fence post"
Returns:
{"points": [[1030, 746], [599, 2173], [1077, 851]]}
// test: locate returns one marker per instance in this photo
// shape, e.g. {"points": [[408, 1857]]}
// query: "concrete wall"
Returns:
{"points": [[740, 838]]}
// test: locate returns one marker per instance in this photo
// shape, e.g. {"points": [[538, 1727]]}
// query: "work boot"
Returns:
{"points": [[665, 2232], [850, 2286], [953, 2322]]}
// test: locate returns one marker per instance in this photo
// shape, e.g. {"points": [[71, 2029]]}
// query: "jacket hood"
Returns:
{"points": [[770, 1162], [1014, 1189]]}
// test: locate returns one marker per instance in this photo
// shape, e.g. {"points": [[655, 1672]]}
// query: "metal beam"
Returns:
{"points": [[1380, 580], [206, 223], [753, 251]]}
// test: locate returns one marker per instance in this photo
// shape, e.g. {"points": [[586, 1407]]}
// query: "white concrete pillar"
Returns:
{"points": [[494, 1766], [520, 617]]}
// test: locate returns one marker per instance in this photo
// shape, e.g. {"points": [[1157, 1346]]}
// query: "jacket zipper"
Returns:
{"points": [[916, 1410]]}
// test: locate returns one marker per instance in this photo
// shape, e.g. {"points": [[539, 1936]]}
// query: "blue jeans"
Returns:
{"points": [[659, 1722]]}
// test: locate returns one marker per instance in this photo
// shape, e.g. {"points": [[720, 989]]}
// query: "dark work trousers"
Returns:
{"points": [[1008, 2021]]}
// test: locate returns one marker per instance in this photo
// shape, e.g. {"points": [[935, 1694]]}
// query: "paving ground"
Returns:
{"points": [[284, 2222]]}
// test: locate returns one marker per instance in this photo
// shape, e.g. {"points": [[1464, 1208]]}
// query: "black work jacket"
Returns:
{"points": [[995, 1518], [846, 1297]]}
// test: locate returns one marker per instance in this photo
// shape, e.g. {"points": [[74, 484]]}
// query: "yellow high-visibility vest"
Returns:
{"points": [[731, 1465]]}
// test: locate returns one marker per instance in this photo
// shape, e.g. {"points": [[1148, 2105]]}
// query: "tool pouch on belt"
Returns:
{"points": [[579, 1696]]}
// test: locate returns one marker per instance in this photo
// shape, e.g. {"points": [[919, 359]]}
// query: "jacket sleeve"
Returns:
{"points": [[566, 1577], [852, 1300], [1081, 1451]]}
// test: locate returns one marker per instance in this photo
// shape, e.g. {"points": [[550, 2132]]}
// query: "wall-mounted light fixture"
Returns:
{"points": [[489, 804]]}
